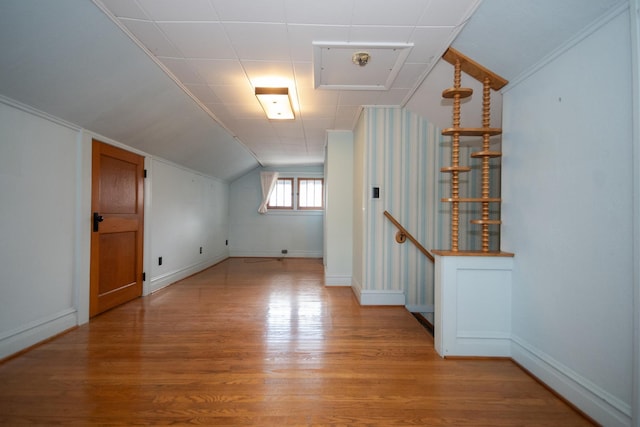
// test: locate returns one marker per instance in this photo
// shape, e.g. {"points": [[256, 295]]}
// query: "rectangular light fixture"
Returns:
{"points": [[275, 102]]}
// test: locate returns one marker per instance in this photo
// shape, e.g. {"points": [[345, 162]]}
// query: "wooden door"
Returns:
{"points": [[117, 222]]}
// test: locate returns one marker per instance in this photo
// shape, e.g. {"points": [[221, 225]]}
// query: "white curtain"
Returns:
{"points": [[268, 182]]}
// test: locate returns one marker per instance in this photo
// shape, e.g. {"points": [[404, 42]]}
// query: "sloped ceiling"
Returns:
{"points": [[509, 37], [176, 78], [69, 60]]}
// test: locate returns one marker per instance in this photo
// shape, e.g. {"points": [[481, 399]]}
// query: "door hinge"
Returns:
{"points": [[145, 173], [144, 277]]}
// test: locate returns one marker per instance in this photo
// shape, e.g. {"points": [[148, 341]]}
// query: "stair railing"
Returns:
{"points": [[402, 235]]}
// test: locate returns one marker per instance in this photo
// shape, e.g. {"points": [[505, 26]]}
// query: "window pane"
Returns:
{"points": [[282, 195], [310, 193]]}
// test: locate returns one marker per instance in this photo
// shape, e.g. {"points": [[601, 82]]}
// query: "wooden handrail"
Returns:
{"points": [[408, 235], [474, 69]]}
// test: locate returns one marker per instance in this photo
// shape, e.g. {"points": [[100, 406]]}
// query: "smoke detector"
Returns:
{"points": [[334, 69], [361, 58]]}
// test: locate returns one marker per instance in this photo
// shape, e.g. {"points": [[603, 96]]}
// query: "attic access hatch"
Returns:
{"points": [[334, 67]]}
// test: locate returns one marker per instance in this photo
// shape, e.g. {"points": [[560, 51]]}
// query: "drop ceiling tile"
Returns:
{"points": [[315, 152], [409, 75], [384, 12], [257, 127], [250, 10], [294, 143], [184, 10], [287, 129], [447, 13], [236, 94], [219, 72], [259, 41], [151, 37], [303, 72], [359, 97], [223, 114], [392, 97], [315, 111], [183, 70], [203, 93], [345, 117], [326, 12], [269, 73], [247, 111], [252, 128], [429, 43], [377, 34], [317, 97], [301, 38], [315, 125], [125, 9], [199, 39]]}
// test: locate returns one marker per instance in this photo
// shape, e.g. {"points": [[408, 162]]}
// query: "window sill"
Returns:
{"points": [[287, 212]]}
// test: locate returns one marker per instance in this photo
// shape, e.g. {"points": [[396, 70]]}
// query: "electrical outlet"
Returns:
{"points": [[284, 251], [226, 243], [160, 260], [200, 249]]}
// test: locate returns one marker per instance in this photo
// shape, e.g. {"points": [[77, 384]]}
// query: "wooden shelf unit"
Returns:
{"points": [[490, 81]]}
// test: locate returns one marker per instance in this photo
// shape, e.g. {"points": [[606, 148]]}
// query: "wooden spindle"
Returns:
{"points": [[486, 146]]}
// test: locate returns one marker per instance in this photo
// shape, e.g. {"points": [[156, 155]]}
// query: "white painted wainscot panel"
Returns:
{"points": [[473, 305]]}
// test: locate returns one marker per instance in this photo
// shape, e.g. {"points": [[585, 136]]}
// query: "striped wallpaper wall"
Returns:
{"points": [[403, 154]]}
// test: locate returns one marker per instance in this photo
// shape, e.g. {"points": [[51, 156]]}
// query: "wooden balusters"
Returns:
{"points": [[490, 81]]}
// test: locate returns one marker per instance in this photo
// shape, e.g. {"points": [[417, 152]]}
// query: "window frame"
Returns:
{"points": [[295, 209], [310, 208], [284, 208]]}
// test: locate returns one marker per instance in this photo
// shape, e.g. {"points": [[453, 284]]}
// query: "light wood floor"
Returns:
{"points": [[263, 342]]}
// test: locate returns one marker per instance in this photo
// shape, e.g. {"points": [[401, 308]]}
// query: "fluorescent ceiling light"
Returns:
{"points": [[275, 102]]}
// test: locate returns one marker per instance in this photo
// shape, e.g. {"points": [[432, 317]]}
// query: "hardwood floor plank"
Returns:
{"points": [[264, 342]]}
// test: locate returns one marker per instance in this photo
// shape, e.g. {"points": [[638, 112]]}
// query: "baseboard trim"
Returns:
{"points": [[381, 297], [165, 280], [333, 280], [273, 254], [32, 333], [425, 308], [595, 402]]}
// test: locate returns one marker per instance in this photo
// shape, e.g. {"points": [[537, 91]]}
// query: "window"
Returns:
{"points": [[310, 193], [282, 195]]}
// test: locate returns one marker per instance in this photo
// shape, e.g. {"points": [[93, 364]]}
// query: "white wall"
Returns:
{"points": [[255, 235], [38, 234], [567, 214], [338, 231], [45, 211], [400, 153], [189, 211]]}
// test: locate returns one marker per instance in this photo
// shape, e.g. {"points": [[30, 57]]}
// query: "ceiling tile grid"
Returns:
{"points": [[221, 50]]}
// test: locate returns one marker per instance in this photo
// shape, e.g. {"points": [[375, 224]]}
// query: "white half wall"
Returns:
{"points": [[568, 217], [265, 235]]}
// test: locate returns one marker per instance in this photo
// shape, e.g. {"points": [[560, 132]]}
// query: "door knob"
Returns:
{"points": [[97, 219]]}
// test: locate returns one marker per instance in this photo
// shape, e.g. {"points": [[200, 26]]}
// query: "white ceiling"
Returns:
{"points": [[175, 78], [220, 50]]}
